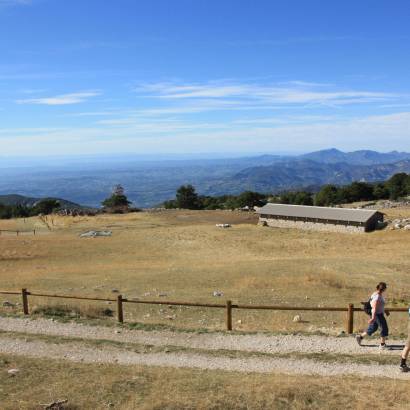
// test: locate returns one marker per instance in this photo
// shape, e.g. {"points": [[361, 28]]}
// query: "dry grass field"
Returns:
{"points": [[181, 255], [91, 387]]}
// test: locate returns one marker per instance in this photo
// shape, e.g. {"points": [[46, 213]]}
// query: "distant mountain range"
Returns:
{"points": [[14, 199], [148, 183], [363, 157], [304, 173]]}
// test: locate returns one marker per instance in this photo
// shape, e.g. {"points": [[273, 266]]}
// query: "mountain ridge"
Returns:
{"points": [[148, 184]]}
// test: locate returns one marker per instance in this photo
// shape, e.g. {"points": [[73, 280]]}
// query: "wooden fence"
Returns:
{"points": [[228, 306], [33, 231]]}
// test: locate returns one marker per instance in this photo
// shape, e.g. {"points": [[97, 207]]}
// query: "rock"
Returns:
{"points": [[117, 332], [239, 322], [114, 290], [297, 319], [6, 303], [93, 234], [223, 225], [13, 372], [162, 295], [218, 293], [407, 227]]}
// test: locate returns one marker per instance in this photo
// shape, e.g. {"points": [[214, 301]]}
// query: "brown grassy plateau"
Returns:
{"points": [[181, 254]]}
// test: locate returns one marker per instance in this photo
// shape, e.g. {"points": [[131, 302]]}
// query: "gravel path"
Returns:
{"points": [[77, 353], [208, 341]]}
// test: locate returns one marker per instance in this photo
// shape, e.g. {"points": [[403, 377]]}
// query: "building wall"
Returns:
{"points": [[373, 222], [316, 226]]}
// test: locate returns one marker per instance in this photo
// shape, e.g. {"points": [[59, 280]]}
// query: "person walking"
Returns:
{"points": [[377, 318], [405, 353]]}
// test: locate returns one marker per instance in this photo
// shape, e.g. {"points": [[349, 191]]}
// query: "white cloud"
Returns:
{"points": [[295, 92], [64, 99], [384, 132]]}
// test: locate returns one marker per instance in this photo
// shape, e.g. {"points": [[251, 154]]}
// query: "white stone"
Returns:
{"points": [[297, 319]]}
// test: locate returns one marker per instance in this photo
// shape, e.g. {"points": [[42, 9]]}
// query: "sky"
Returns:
{"points": [[83, 77]]}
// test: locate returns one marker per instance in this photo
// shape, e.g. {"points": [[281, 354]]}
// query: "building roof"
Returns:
{"points": [[318, 212]]}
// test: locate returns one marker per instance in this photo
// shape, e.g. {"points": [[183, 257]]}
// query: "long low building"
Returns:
{"points": [[319, 218]]}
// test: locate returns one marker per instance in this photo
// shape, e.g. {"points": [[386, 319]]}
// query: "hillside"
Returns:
{"points": [[302, 173], [15, 199], [361, 157]]}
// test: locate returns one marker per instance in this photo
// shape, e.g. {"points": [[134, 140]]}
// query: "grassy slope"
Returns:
{"points": [[183, 255]]}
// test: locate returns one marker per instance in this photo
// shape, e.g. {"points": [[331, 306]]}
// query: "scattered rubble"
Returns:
{"points": [[217, 293], [223, 226], [386, 204], [398, 224]]}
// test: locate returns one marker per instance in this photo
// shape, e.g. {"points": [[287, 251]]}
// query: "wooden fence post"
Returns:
{"points": [[120, 312], [228, 315], [350, 318], [24, 294]]}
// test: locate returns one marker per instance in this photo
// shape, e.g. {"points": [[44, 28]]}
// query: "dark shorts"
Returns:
{"points": [[379, 322]]}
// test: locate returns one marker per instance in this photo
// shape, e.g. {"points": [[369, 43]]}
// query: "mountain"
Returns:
{"points": [[302, 173], [149, 182], [362, 157], [15, 199]]}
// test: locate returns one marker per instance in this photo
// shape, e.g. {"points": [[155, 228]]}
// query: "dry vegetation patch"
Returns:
{"points": [[182, 255]]}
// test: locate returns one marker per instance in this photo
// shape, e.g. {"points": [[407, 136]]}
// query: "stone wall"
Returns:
{"points": [[281, 223]]}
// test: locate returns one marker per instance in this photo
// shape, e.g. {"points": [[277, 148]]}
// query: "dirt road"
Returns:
{"points": [[204, 351]]}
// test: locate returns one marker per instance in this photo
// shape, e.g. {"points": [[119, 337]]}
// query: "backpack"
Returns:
{"points": [[367, 307]]}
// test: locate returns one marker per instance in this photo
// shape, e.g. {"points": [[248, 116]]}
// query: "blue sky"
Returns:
{"points": [[192, 76]]}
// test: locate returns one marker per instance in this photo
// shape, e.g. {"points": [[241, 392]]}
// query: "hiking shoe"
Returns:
{"points": [[359, 339], [404, 368]]}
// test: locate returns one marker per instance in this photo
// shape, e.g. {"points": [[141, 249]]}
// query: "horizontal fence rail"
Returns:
{"points": [[18, 232], [228, 306]]}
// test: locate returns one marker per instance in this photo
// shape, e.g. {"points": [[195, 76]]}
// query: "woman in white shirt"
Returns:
{"points": [[377, 318]]}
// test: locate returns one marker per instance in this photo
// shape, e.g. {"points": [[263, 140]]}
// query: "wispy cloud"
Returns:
{"points": [[295, 92], [14, 2], [64, 99], [380, 132], [290, 41]]}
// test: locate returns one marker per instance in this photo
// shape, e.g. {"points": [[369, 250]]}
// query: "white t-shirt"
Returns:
{"points": [[378, 297]]}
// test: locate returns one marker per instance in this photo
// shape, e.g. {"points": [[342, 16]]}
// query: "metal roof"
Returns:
{"points": [[318, 212]]}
